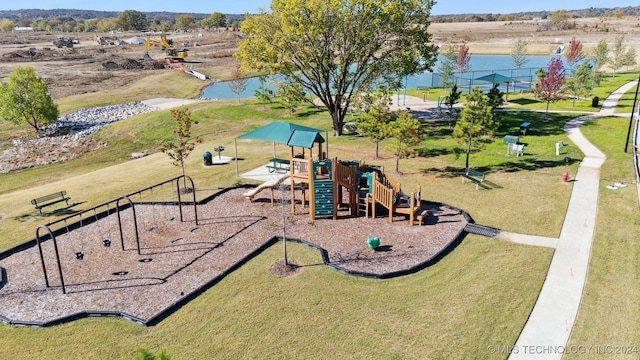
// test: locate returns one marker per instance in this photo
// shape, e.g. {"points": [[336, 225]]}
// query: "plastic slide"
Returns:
{"points": [[265, 185]]}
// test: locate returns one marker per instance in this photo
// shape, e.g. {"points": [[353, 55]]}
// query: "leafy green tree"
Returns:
{"points": [[185, 22], [24, 99], [333, 49], [579, 84], [375, 116], [476, 121], [452, 98], [291, 95], [600, 59], [216, 19], [263, 93], [131, 20], [496, 99], [183, 144], [405, 133], [619, 55], [7, 25], [447, 67]]}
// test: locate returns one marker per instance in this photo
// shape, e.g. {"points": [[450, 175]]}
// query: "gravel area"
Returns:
{"points": [[67, 138], [177, 258]]}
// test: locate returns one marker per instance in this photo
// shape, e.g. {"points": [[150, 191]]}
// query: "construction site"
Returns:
{"points": [[88, 62]]}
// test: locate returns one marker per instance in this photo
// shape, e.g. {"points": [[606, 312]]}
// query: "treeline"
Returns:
{"points": [[576, 14], [70, 20]]}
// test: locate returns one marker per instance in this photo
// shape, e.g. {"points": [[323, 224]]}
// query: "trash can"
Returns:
{"points": [[595, 102], [206, 157]]}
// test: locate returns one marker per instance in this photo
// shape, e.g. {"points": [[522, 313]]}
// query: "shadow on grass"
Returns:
{"points": [[524, 102], [64, 211], [507, 167]]}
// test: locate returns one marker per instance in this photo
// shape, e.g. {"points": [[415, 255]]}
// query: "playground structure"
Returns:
{"points": [[131, 226], [367, 188], [327, 180]]}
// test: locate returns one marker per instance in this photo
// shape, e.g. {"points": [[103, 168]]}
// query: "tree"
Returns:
{"points": [[574, 54], [333, 49], [452, 98], [447, 67], [463, 59], [600, 59], [405, 132], [579, 84], [216, 19], [496, 98], [476, 121], [518, 54], [619, 55], [25, 99], [291, 95], [629, 58], [263, 93], [550, 86], [7, 25], [375, 116], [183, 144], [238, 83], [560, 19], [131, 20], [185, 22]]}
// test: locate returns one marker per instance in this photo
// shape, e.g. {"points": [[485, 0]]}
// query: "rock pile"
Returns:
{"points": [[68, 138]]}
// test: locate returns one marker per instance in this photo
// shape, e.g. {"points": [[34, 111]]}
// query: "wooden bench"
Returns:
{"points": [[50, 199], [474, 176]]}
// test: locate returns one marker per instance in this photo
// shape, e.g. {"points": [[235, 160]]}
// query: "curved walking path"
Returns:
{"points": [[550, 323]]}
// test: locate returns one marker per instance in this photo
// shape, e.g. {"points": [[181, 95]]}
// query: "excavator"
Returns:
{"points": [[167, 45]]}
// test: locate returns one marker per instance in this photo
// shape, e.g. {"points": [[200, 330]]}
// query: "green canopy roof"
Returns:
{"points": [[286, 133], [495, 78]]}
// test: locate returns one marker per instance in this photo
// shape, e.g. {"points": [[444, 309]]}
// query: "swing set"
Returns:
{"points": [[76, 232]]}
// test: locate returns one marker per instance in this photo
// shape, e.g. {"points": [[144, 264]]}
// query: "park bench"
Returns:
{"points": [[524, 127], [474, 176], [50, 199]]}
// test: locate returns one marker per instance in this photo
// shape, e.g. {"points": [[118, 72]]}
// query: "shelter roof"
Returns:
{"points": [[495, 78], [286, 133]]}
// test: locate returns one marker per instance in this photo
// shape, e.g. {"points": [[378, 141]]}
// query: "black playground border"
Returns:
{"points": [[155, 319]]}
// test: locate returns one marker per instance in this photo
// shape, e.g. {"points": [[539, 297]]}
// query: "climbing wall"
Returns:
{"points": [[323, 188]]}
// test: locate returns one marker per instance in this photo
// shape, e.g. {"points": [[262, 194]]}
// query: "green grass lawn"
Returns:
{"points": [[610, 304], [480, 294]]}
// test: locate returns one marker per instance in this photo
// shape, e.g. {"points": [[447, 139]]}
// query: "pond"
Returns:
{"points": [[480, 65]]}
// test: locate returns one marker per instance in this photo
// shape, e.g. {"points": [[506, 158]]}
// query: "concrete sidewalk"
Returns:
{"points": [[551, 321]]}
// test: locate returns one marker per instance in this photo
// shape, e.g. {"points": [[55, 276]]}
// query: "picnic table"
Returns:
{"points": [[279, 165]]}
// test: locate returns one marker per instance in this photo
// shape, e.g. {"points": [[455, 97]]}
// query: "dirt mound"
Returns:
{"points": [[132, 64]]}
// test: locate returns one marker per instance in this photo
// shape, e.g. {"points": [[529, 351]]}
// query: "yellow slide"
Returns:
{"points": [[249, 194]]}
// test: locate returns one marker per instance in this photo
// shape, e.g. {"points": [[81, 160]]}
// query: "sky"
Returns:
{"points": [[442, 7]]}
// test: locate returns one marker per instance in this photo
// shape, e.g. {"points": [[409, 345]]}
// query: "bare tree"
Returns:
{"points": [[238, 83]]}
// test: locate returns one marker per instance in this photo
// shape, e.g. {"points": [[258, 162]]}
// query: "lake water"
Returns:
{"points": [[480, 65]]}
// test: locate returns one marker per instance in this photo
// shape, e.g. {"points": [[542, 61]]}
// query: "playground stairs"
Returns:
{"points": [[387, 193]]}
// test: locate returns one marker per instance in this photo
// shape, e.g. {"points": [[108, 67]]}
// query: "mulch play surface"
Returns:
{"points": [[178, 258]]}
